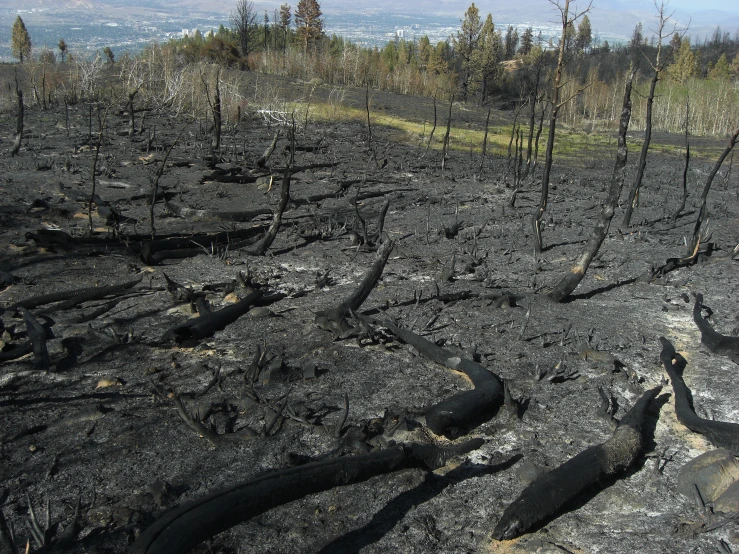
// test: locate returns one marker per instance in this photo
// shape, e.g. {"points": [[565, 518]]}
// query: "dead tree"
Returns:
{"points": [[215, 108], [514, 130], [19, 123], [484, 144], [183, 528], [533, 99], [548, 494], [260, 249], [431, 136], [658, 66], [684, 198], [155, 182], [556, 106], [576, 273], [94, 168], [373, 154], [131, 113], [445, 145], [722, 434], [695, 241]]}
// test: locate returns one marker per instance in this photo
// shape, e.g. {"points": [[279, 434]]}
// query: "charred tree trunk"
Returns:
{"points": [[634, 192], [19, 124], [431, 136], [264, 158], [484, 143], [536, 219], [131, 113], [260, 249], [217, 122], [445, 146], [686, 166], [570, 281], [692, 247], [538, 135]]}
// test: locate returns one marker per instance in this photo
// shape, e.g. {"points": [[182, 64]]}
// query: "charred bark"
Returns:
{"points": [[334, 319], [706, 189], [264, 158], [713, 340], [484, 144], [204, 326], [37, 336], [445, 144], [543, 498], [19, 123], [570, 281], [721, 434], [684, 197], [183, 528], [70, 298], [463, 408]]}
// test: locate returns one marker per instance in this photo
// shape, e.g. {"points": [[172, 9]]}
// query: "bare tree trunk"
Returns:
{"points": [[694, 243], [431, 136], [217, 122], [686, 166], [373, 154], [570, 281], [538, 135], [484, 144], [536, 219], [131, 113], [155, 183], [634, 192], [445, 146], [19, 123]]}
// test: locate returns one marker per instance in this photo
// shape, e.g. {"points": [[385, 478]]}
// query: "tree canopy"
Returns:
{"points": [[20, 41]]}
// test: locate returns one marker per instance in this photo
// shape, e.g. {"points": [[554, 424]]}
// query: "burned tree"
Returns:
{"points": [[658, 66], [19, 123], [570, 281], [557, 104]]}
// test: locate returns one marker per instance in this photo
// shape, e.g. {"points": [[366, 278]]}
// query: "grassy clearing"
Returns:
{"points": [[575, 147]]}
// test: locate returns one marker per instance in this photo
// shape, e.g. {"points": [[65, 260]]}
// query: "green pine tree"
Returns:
{"points": [[20, 41]]}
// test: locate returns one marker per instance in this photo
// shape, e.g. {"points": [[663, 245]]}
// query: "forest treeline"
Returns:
{"points": [[482, 63]]}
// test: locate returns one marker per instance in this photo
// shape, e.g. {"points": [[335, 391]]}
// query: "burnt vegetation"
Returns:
{"points": [[246, 311]]}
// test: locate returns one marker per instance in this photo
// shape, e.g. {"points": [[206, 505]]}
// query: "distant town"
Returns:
{"points": [[87, 33]]}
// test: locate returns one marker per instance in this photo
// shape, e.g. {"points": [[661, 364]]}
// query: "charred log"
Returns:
{"points": [[334, 319], [548, 494], [721, 434], [714, 341], [463, 408], [183, 528]]}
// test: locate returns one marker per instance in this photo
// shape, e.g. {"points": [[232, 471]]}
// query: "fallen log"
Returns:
{"points": [[70, 298], [721, 434], [205, 325], [462, 408], [543, 498], [191, 214], [184, 527], [714, 341]]}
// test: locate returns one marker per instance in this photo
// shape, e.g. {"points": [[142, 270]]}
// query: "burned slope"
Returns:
{"points": [[149, 423]]}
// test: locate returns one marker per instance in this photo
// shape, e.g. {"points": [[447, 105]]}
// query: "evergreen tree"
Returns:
{"points": [[486, 61], [20, 41], [722, 70], [685, 62], [527, 41], [424, 52], [109, 54], [511, 42], [285, 17], [584, 35], [308, 21], [465, 44], [62, 48]]}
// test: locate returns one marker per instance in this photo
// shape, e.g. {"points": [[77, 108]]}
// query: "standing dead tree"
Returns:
{"points": [[19, 124], [658, 66], [570, 281], [155, 182], [94, 167], [260, 249], [431, 135], [215, 109], [484, 144], [445, 146], [684, 198], [695, 241], [557, 104]]}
